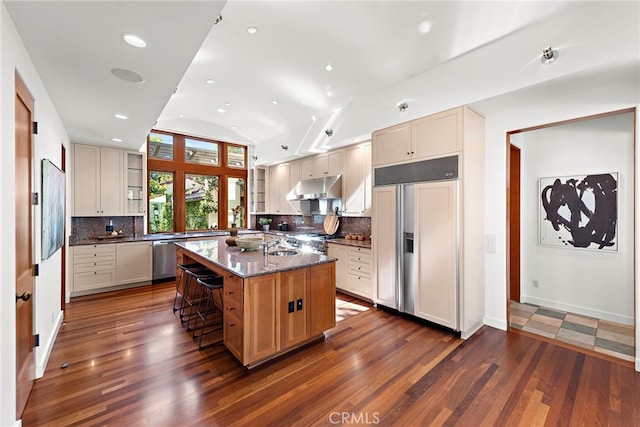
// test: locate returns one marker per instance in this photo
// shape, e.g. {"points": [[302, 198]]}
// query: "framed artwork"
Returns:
{"points": [[579, 212], [53, 202]]}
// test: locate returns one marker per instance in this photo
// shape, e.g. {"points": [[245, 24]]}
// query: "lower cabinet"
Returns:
{"points": [[271, 314], [133, 262], [99, 266], [353, 269], [94, 266]]}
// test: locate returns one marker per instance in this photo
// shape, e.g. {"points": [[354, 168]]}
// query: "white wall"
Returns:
{"points": [[47, 144], [597, 283], [535, 111]]}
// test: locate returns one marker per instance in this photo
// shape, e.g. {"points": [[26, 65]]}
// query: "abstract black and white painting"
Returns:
{"points": [[580, 211]]}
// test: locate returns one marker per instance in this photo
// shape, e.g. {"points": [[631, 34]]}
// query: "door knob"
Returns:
{"points": [[26, 296]]}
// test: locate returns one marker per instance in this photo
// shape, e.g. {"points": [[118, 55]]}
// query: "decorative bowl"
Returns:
{"points": [[249, 243]]}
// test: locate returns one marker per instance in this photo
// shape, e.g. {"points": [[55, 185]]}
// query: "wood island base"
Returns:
{"points": [[268, 315]]}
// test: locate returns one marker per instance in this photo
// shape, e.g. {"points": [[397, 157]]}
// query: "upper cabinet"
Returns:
{"points": [[279, 187], [136, 183], [436, 135], [391, 145], [98, 181], [306, 167], [321, 165], [356, 181], [258, 186], [328, 164]]}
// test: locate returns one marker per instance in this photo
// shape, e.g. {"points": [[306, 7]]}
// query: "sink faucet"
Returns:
{"points": [[267, 245]]}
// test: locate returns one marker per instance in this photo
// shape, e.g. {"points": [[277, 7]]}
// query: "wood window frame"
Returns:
{"points": [[180, 168]]}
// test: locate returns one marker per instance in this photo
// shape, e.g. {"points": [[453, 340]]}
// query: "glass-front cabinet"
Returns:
{"points": [[258, 180], [136, 184]]}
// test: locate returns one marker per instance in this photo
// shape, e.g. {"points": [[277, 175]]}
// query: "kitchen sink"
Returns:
{"points": [[283, 253]]}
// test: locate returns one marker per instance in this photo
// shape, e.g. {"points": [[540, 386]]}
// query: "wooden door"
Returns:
{"points": [[322, 298], [383, 240], [435, 253], [294, 306], [261, 316], [25, 360], [514, 223]]}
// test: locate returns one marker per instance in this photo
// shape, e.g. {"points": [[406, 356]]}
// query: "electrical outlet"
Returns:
{"points": [[534, 283]]}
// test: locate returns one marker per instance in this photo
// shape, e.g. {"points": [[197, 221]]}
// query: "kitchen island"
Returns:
{"points": [[272, 304]]}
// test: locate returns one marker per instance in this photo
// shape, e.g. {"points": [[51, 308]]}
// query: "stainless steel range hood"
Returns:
{"points": [[329, 187]]}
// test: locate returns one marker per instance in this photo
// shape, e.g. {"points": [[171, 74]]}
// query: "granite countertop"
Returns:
{"points": [[357, 243], [151, 237], [246, 264]]}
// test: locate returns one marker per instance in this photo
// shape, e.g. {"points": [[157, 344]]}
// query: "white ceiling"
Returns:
{"points": [[432, 55]]}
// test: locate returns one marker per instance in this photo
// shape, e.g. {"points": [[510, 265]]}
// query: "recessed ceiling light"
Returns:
{"points": [[134, 40], [274, 102], [252, 30], [328, 67], [116, 139], [127, 75], [228, 104], [210, 81], [221, 110], [181, 115], [120, 116]]}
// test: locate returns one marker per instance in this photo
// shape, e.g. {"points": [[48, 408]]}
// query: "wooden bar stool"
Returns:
{"points": [[207, 306]]}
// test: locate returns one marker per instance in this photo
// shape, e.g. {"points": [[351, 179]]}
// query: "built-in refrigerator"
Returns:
{"points": [[416, 239]]}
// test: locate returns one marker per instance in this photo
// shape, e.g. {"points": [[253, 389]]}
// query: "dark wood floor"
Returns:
{"points": [[131, 363]]}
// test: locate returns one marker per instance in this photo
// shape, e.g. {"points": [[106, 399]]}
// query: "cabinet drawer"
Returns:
{"points": [[360, 269], [99, 265], [360, 254], [360, 285], [93, 280], [232, 290], [94, 249], [232, 305], [233, 339]]}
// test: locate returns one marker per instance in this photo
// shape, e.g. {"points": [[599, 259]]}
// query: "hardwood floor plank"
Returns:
{"points": [[131, 362]]}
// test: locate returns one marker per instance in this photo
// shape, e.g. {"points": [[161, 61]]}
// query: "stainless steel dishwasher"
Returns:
{"points": [[164, 259]]}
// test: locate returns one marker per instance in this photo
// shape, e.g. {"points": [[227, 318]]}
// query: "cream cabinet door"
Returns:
{"points": [[86, 180], [356, 180], [133, 262], [111, 181], [391, 145], [279, 186], [383, 241], [435, 251], [306, 167], [98, 181], [342, 265], [437, 135]]}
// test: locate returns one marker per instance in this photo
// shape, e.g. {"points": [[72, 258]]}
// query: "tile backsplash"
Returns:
{"points": [[314, 224], [91, 227]]}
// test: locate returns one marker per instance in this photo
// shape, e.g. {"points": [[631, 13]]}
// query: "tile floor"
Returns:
{"points": [[606, 337]]}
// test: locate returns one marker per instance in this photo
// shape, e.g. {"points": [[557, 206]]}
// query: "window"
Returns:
{"points": [[203, 152], [236, 156], [160, 146], [160, 202], [235, 202], [195, 183], [201, 202]]}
